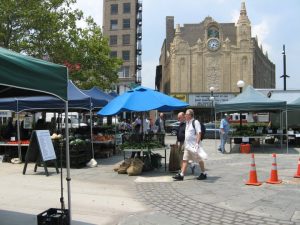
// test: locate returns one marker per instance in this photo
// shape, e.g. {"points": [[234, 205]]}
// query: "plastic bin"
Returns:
{"points": [[53, 216], [245, 148]]}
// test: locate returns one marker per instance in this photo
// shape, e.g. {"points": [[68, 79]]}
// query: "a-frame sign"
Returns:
{"points": [[40, 150]]}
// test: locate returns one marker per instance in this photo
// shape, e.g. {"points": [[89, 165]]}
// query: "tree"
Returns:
{"points": [[47, 29], [91, 63]]}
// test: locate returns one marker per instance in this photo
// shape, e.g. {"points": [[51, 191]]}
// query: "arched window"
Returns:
{"points": [[212, 32]]}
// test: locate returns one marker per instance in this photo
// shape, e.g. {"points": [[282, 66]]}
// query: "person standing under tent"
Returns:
{"points": [[224, 130]]}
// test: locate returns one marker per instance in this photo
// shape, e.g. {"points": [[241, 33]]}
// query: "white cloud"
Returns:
{"points": [[92, 8], [262, 31], [235, 15], [148, 73]]}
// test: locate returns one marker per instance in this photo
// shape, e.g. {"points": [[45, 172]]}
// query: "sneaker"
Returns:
{"points": [[178, 177], [202, 176]]}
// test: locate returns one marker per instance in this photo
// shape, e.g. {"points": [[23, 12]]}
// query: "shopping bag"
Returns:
{"points": [[202, 153], [199, 150]]}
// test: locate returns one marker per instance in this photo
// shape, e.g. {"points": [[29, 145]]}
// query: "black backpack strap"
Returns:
{"points": [[193, 123]]}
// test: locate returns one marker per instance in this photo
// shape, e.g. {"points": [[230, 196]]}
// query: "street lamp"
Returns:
{"points": [[211, 98], [240, 85]]}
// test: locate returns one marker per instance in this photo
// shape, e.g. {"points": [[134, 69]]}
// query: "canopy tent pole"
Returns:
{"points": [[215, 130], [92, 139], [19, 159], [92, 162], [286, 131], [68, 159], [19, 139]]}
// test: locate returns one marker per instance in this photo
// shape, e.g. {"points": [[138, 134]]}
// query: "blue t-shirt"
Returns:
{"points": [[225, 125]]}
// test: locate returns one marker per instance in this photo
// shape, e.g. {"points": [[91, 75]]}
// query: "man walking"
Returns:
{"points": [[224, 130], [192, 141], [181, 131]]}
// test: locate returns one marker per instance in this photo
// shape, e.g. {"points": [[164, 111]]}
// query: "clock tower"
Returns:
{"points": [[195, 57]]}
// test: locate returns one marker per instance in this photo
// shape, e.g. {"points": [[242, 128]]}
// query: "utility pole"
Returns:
{"points": [[284, 76]]}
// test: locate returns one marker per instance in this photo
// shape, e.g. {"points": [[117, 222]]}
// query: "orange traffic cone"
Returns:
{"points": [[297, 175], [252, 175], [274, 176]]}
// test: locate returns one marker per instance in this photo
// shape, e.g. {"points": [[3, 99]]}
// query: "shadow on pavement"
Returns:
{"points": [[17, 218]]}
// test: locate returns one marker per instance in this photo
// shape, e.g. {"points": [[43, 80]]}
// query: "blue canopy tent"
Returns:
{"points": [[141, 99], [98, 96], [76, 100]]}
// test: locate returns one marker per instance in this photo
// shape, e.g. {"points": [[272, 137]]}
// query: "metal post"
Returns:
{"points": [[284, 76], [212, 102], [241, 89]]}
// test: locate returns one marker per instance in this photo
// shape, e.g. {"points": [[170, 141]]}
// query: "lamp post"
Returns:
{"points": [[211, 98], [240, 85], [284, 76]]}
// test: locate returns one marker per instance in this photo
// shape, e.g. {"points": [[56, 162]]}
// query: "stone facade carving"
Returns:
{"points": [[195, 63]]}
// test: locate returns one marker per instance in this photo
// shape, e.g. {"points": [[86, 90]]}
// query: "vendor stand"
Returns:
{"points": [[141, 99]]}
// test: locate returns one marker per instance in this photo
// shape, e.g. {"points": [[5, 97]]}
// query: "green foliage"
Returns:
{"points": [[141, 145], [246, 130], [47, 29]]}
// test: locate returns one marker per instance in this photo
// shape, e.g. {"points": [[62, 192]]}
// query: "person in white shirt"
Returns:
{"points": [[192, 141], [146, 125]]}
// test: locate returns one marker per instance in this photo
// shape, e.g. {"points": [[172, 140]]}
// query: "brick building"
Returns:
{"points": [[122, 25]]}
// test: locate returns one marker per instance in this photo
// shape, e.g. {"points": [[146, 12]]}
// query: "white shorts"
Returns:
{"points": [[189, 155]]}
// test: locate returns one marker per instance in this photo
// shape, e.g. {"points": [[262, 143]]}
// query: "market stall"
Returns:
{"points": [[251, 100], [21, 75], [141, 99]]}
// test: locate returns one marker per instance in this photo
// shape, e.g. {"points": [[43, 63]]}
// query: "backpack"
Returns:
{"points": [[203, 129]]}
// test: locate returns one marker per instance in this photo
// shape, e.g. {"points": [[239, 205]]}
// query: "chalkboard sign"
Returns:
{"points": [[46, 145], [40, 150]]}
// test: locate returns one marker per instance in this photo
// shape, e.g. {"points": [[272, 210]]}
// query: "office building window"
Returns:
{"points": [[113, 54], [113, 40], [126, 7], [126, 55], [114, 24], [124, 72], [126, 39], [126, 23], [114, 9]]}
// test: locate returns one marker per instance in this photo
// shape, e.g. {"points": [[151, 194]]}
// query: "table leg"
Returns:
{"points": [[165, 159]]}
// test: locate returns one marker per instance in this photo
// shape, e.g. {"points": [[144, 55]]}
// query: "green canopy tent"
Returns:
{"points": [[294, 105], [21, 75], [251, 100]]}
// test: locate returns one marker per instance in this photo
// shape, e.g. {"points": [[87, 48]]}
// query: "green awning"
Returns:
{"points": [[22, 75], [250, 100], [294, 105]]}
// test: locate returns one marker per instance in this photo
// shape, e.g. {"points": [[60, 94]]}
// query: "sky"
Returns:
{"points": [[275, 23]]}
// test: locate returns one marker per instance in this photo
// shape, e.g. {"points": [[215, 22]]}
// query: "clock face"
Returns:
{"points": [[213, 44]]}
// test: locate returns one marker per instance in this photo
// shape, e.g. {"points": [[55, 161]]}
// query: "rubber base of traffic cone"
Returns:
{"points": [[274, 182]]}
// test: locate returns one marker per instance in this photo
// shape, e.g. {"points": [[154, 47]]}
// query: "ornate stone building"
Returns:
{"points": [[195, 57]]}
